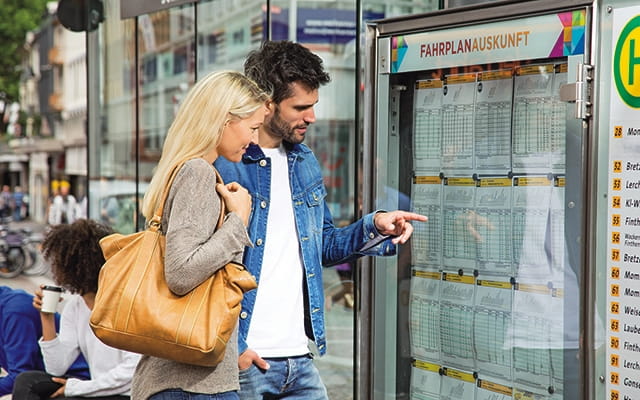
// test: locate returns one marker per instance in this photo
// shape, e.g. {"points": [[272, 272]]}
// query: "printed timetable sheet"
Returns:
{"points": [[538, 120], [493, 321], [486, 306], [492, 124], [457, 124], [426, 193], [458, 219], [493, 224], [428, 125]]}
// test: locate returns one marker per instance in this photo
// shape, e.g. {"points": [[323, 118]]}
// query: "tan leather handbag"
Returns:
{"points": [[135, 310]]}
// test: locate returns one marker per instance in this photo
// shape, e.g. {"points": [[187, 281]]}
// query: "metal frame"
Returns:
{"points": [[452, 18], [478, 13]]}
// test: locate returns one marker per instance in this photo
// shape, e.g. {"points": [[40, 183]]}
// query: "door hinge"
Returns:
{"points": [[580, 91], [394, 109]]}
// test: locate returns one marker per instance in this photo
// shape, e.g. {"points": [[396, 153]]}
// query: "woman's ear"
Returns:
{"points": [[270, 106]]}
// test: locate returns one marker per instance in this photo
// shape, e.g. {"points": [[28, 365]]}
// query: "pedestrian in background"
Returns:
{"points": [[219, 117], [18, 202], [6, 202], [55, 190], [64, 208]]}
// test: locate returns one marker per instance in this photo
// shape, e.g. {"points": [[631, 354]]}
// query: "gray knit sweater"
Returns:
{"points": [[194, 252]]}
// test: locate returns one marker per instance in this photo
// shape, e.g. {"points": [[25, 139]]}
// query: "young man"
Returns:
{"points": [[292, 231]]}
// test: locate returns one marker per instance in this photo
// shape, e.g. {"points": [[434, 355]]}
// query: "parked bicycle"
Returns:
{"points": [[35, 262], [20, 251]]}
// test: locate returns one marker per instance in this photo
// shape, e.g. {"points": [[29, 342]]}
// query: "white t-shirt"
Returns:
{"points": [[277, 322], [111, 369]]}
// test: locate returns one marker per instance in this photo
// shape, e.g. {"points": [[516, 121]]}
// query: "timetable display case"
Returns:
{"points": [[495, 122]]}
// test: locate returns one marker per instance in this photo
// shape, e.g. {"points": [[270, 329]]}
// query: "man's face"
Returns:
{"points": [[290, 118]]}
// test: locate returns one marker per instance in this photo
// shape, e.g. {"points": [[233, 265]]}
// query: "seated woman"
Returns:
{"points": [[75, 257]]}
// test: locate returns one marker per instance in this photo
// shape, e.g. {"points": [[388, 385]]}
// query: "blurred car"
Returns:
{"points": [[114, 202]]}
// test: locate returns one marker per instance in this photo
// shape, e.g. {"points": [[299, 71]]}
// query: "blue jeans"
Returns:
{"points": [[287, 378], [177, 394]]}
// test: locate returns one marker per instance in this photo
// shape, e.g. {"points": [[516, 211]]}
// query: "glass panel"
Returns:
{"points": [[483, 303], [166, 59], [377, 9], [112, 121], [329, 30], [227, 31]]}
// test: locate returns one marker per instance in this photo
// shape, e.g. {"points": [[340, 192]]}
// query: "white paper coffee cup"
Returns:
{"points": [[50, 298]]}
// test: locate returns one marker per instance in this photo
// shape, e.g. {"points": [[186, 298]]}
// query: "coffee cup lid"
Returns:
{"points": [[53, 288]]}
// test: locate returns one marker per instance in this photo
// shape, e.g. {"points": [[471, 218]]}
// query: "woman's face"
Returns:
{"points": [[238, 134]]}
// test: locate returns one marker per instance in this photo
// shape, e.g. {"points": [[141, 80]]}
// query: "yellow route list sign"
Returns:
{"points": [[623, 245]]}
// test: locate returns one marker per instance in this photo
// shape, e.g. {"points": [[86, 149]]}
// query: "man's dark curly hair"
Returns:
{"points": [[276, 65], [75, 254]]}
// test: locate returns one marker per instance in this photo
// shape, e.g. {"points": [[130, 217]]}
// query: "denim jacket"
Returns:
{"points": [[321, 243]]}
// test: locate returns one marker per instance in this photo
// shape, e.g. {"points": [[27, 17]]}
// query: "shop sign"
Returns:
{"points": [[325, 26]]}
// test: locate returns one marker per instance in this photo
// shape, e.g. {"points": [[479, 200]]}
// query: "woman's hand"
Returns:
{"points": [[237, 199], [47, 319], [60, 391], [37, 298]]}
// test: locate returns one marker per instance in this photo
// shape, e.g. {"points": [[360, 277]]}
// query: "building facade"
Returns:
{"points": [[50, 144]]}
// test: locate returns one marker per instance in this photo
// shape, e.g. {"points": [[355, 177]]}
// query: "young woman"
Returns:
{"points": [[76, 258], [220, 116]]}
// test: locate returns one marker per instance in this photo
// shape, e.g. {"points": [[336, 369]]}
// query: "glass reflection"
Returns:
{"points": [[112, 125], [227, 31], [166, 59], [491, 289]]}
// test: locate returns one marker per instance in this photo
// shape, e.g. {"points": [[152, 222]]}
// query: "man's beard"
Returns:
{"points": [[279, 128]]}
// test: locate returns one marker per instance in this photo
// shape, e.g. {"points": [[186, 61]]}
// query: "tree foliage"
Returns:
{"points": [[17, 17]]}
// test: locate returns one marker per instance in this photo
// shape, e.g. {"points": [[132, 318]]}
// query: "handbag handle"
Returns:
{"points": [[222, 204], [157, 216]]}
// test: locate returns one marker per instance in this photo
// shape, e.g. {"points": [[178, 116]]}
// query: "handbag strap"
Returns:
{"points": [[157, 216], [222, 205]]}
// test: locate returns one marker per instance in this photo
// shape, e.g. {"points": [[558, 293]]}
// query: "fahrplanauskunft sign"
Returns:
{"points": [[129, 8]]}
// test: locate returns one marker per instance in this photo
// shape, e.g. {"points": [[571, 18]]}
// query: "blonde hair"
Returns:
{"points": [[214, 100]]}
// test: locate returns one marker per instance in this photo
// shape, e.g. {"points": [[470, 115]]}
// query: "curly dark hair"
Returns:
{"points": [[75, 254], [276, 65]]}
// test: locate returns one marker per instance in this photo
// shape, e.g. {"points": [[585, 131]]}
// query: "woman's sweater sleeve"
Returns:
{"points": [[194, 248]]}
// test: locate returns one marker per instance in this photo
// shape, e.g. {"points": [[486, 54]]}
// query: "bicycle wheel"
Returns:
{"points": [[16, 259], [9, 269], [36, 265]]}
